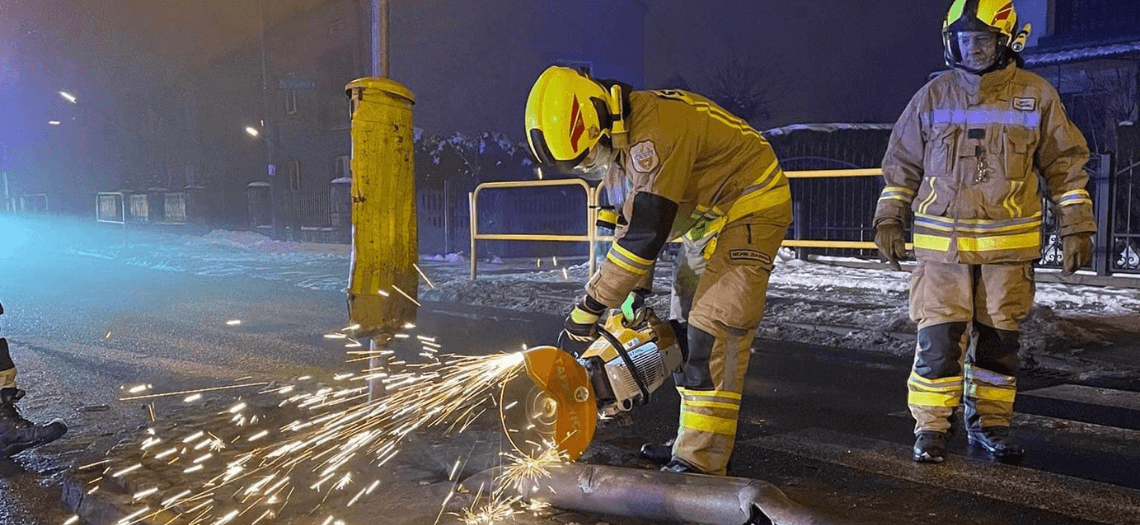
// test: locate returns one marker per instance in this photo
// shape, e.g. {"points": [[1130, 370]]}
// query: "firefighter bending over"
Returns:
{"points": [[691, 169]]}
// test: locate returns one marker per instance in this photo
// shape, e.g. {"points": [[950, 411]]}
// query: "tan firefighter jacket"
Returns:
{"points": [[692, 167], [965, 157]]}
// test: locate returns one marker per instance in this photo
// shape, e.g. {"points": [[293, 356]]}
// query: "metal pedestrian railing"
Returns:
{"points": [[111, 208], [846, 210], [28, 203], [593, 196]]}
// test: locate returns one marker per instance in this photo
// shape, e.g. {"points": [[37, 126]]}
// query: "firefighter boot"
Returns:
{"points": [[680, 466], [18, 434], [660, 453], [999, 442], [929, 447]]}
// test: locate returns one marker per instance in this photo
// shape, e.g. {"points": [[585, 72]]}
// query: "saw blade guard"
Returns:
{"points": [[551, 406]]}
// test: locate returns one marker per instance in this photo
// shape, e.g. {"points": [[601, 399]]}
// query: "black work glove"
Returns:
{"points": [[1077, 251], [581, 326], [891, 241]]}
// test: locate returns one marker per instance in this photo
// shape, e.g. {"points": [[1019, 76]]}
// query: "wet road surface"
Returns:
{"points": [[828, 426]]}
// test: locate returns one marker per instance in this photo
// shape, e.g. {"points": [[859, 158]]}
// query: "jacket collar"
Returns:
{"points": [[988, 85]]}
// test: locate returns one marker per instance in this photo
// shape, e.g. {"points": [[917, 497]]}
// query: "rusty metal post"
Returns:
{"points": [[383, 284]]}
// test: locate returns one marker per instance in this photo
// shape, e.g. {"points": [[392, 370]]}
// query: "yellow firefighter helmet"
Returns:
{"points": [[995, 16], [567, 114]]}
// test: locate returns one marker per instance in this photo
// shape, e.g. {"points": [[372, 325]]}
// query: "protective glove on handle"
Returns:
{"points": [[633, 310], [1077, 251], [581, 326], [891, 241]]}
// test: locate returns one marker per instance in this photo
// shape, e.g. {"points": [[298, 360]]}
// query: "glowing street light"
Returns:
{"points": [[67, 96], [252, 131]]}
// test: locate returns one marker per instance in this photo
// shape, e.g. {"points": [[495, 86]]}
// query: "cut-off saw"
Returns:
{"points": [[557, 403]]}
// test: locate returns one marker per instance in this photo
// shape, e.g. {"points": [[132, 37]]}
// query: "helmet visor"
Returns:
{"points": [[598, 162], [545, 158]]}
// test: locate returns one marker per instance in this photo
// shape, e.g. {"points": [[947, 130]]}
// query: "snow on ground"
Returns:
{"points": [[819, 302]]}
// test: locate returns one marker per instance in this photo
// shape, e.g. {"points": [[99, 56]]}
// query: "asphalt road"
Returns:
{"points": [[827, 426]]}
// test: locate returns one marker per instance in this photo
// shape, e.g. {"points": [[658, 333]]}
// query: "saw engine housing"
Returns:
{"points": [[626, 364]]}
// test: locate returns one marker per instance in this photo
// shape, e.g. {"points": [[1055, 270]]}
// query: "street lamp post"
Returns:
{"points": [[267, 124]]}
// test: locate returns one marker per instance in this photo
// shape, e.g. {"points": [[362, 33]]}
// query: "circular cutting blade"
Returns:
{"points": [[550, 406]]}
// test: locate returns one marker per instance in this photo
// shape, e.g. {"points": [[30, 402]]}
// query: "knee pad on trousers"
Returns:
{"points": [[681, 332], [5, 359], [940, 349], [996, 350], [695, 371]]}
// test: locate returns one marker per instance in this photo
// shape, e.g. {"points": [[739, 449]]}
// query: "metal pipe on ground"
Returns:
{"points": [[660, 496]]}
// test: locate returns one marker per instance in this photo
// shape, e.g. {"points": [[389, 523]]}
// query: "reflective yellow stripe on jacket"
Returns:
{"points": [[769, 189], [935, 233]]}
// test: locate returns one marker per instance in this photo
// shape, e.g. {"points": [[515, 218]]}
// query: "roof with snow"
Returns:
{"points": [[826, 127], [1047, 56]]}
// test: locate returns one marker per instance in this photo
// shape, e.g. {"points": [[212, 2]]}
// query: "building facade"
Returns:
{"points": [[470, 66], [1090, 51]]}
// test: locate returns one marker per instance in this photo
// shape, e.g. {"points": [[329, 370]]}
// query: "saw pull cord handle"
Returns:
{"points": [[628, 363]]}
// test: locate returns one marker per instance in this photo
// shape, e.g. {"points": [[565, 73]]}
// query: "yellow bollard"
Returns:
{"points": [[383, 286]]}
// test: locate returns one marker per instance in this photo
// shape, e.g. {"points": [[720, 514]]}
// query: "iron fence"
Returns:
{"points": [[1123, 244], [444, 221], [312, 208], [29, 203]]}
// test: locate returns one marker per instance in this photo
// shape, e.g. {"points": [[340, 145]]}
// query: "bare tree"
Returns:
{"points": [[742, 85], [1108, 98]]}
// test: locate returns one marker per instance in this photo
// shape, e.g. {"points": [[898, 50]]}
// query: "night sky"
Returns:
{"points": [[829, 53], [828, 60]]}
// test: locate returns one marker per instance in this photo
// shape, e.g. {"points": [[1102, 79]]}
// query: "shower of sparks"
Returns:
{"points": [[523, 471], [565, 274], [554, 260], [422, 274], [95, 464], [234, 322], [72, 520], [496, 508], [243, 469], [127, 470], [405, 294], [198, 391]]}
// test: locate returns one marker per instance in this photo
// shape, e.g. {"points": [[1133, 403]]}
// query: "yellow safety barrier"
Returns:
{"points": [[592, 199], [593, 194]]}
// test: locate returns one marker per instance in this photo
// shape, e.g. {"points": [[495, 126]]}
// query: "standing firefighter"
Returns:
{"points": [[16, 433], [692, 169], [965, 157]]}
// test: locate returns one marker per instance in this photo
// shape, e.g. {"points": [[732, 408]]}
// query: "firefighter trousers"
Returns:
{"points": [[721, 295], [968, 317]]}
